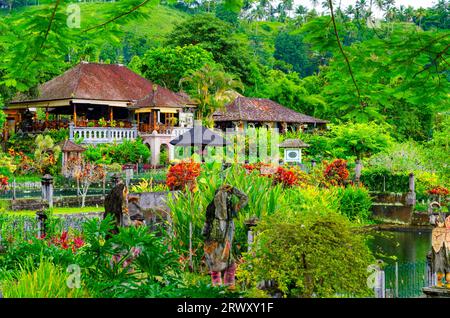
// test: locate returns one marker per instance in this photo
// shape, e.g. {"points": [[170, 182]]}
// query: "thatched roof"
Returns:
{"points": [[293, 143], [262, 110]]}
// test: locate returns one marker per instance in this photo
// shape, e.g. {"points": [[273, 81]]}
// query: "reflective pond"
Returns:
{"points": [[407, 246]]}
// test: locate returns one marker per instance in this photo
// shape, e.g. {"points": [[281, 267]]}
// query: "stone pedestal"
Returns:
{"points": [[436, 292], [47, 189]]}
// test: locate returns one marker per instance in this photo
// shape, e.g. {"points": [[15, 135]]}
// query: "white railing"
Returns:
{"points": [[177, 131], [173, 131], [100, 135]]}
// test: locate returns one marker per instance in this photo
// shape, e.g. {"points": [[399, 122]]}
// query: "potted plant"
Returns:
{"points": [[91, 124], [102, 122], [173, 121], [121, 124], [113, 123]]}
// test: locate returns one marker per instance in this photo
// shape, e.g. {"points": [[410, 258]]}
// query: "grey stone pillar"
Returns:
{"points": [[47, 189], [41, 218], [358, 169], [411, 196], [250, 224], [129, 169], [14, 189]]}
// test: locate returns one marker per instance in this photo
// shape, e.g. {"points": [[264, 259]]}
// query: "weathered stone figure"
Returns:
{"points": [[219, 232], [440, 251], [116, 205]]}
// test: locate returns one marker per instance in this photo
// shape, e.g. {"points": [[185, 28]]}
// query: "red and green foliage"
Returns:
{"points": [[286, 177], [336, 173], [183, 174]]}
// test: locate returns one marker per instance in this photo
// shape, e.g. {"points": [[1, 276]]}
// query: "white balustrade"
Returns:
{"points": [[177, 131], [99, 135]]}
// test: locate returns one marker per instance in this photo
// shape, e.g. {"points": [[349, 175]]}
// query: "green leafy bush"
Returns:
{"points": [[382, 180], [126, 264], [313, 256], [355, 203], [126, 152]]}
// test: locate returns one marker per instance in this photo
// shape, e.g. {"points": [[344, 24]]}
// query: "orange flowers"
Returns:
{"points": [[183, 174]]}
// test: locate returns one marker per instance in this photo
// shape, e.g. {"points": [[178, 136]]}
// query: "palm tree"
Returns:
{"points": [[409, 13], [211, 88], [350, 11], [301, 10], [361, 9], [288, 6], [420, 14], [300, 13]]}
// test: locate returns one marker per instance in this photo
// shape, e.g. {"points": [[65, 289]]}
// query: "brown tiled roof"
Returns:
{"points": [[69, 146], [293, 143], [162, 97], [262, 110], [111, 82]]}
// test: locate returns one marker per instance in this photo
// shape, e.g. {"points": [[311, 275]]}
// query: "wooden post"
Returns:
{"points": [[111, 114], [75, 115], [138, 120]]}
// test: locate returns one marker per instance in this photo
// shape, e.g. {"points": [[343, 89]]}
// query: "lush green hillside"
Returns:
{"points": [[340, 69], [159, 21]]}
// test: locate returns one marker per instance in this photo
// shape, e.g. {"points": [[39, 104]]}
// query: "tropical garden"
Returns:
{"points": [[376, 71]]}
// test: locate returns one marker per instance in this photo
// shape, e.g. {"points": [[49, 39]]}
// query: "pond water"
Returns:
{"points": [[407, 246]]}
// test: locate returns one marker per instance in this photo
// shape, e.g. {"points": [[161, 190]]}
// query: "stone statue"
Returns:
{"points": [[440, 241], [219, 232], [116, 205]]}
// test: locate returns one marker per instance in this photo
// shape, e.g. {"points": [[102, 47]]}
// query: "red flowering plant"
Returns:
{"points": [[4, 186], [65, 241], [438, 191], [336, 173], [182, 175], [286, 177], [440, 194], [259, 166]]}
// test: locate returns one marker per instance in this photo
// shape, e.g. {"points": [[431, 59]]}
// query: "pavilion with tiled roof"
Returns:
{"points": [[247, 111], [99, 95]]}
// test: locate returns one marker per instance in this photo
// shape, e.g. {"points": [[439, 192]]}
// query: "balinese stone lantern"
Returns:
{"points": [[293, 150]]}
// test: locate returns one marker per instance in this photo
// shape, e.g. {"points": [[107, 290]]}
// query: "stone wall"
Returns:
{"points": [[152, 205], [67, 201], [392, 206]]}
